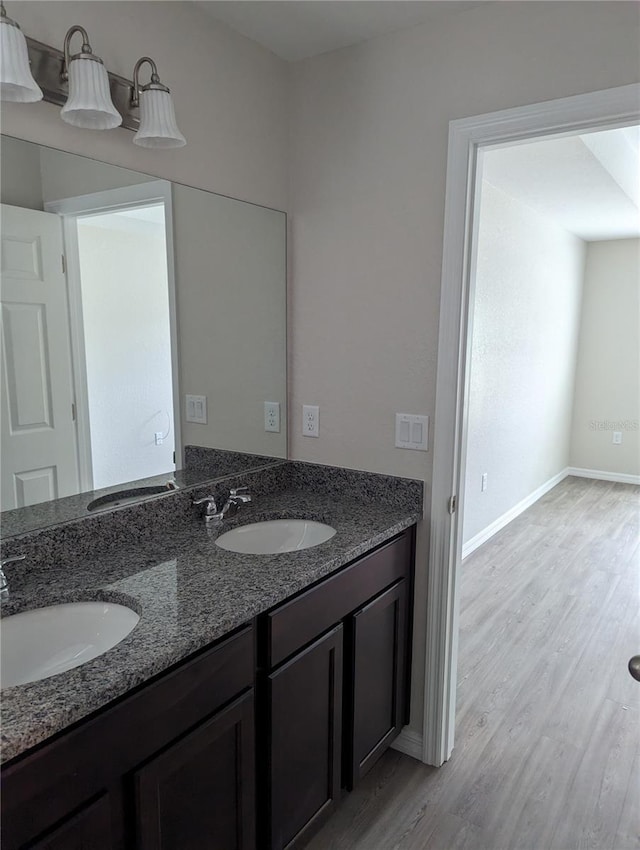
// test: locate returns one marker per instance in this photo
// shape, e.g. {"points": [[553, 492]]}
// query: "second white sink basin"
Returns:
{"points": [[39, 643], [277, 535]]}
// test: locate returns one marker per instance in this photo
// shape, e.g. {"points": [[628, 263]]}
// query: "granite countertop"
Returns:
{"points": [[188, 593]]}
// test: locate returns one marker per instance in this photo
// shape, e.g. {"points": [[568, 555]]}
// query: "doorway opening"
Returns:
{"points": [[468, 141], [118, 248]]}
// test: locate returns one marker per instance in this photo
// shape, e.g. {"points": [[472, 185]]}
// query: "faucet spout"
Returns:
{"points": [[4, 584]]}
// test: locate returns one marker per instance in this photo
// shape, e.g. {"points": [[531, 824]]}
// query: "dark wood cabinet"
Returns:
{"points": [[337, 701], [172, 765], [305, 702], [377, 675], [131, 775], [199, 793]]}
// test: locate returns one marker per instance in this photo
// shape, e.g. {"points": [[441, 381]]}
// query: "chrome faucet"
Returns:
{"points": [[235, 499], [4, 584]]}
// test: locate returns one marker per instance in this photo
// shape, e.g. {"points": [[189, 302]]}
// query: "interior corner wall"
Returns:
{"points": [[230, 95], [607, 396], [526, 315], [368, 161]]}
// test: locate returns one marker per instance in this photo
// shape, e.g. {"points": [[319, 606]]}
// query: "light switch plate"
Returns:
{"points": [[196, 409], [412, 431]]}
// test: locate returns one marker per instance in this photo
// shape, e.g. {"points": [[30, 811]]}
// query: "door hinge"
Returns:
{"points": [[174, 457], [64, 264], [73, 411], [452, 505]]}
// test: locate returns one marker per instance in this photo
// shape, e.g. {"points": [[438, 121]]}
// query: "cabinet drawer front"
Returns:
{"points": [[299, 621], [40, 788]]}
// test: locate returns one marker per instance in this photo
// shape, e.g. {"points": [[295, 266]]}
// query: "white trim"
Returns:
{"points": [[600, 475], [503, 520], [79, 358], [69, 209], [610, 108], [409, 742]]}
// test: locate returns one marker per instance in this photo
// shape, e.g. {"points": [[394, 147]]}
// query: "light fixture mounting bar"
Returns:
{"points": [[46, 66]]}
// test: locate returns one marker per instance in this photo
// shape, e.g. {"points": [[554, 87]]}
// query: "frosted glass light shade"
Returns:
{"points": [[158, 128], [89, 104], [16, 80]]}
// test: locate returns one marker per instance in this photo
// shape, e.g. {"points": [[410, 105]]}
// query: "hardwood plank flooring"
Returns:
{"points": [[547, 753]]}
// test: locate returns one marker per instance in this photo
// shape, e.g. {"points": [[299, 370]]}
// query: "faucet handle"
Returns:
{"points": [[209, 501], [11, 560], [235, 491]]}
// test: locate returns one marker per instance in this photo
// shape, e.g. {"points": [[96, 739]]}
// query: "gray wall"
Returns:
{"points": [[608, 377], [526, 317], [368, 162], [229, 93]]}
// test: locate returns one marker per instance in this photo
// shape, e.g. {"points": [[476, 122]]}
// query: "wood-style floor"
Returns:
{"points": [[548, 719]]}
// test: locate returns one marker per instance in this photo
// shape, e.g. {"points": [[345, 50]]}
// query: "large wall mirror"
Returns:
{"points": [[139, 317]]}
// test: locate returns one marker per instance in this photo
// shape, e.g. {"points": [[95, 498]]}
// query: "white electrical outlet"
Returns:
{"points": [[617, 438], [196, 409], [310, 420], [272, 416], [483, 485], [159, 438]]}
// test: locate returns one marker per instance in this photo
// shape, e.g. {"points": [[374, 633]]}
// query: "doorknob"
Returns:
{"points": [[634, 667]]}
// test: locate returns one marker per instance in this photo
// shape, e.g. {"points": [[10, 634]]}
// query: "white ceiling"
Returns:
{"points": [[588, 184], [298, 29]]}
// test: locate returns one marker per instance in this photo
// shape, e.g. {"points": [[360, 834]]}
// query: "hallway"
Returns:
{"points": [[547, 753]]}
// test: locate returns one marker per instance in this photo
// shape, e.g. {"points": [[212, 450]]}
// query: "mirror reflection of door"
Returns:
{"points": [[89, 390], [38, 434]]}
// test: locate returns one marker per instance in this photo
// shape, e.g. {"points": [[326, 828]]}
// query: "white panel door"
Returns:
{"points": [[38, 455]]}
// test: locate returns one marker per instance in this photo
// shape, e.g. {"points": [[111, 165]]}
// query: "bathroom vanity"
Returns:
{"points": [[254, 692]]}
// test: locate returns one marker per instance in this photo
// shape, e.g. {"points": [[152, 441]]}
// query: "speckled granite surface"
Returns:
{"points": [[188, 591], [218, 463], [204, 465]]}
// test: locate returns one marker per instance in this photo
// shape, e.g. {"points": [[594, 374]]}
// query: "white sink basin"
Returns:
{"points": [[39, 643], [278, 535]]}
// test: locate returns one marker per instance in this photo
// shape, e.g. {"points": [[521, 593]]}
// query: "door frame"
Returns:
{"points": [[112, 200], [468, 137]]}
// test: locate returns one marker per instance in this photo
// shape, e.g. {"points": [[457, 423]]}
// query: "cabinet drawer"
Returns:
{"points": [[299, 621]]}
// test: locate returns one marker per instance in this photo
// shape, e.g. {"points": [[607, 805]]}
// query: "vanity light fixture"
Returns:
{"points": [[90, 96], [158, 127], [16, 80], [89, 104]]}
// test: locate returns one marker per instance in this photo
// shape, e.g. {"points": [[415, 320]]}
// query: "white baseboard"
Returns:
{"points": [[498, 524], [600, 475], [409, 743]]}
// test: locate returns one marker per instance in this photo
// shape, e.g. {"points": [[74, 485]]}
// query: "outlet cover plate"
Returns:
{"points": [[272, 416], [310, 420]]}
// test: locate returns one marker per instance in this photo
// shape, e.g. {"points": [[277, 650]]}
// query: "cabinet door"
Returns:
{"points": [[377, 662], [89, 829], [305, 701], [199, 793]]}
